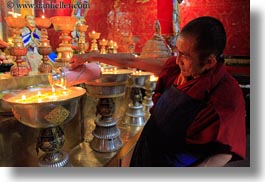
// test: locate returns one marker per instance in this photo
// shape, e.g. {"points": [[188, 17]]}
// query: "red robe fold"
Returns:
{"points": [[223, 120]]}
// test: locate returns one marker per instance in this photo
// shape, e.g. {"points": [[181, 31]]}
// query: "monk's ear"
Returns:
{"points": [[210, 62]]}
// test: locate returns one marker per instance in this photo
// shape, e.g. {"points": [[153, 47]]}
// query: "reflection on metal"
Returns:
{"points": [[51, 141], [84, 156], [94, 45], [82, 44], [18, 50], [135, 114], [33, 113], [106, 134], [110, 85], [103, 43], [18, 141], [64, 25], [44, 47], [147, 101], [156, 47]]}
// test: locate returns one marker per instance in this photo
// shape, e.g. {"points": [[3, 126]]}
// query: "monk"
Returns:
{"points": [[198, 117]]}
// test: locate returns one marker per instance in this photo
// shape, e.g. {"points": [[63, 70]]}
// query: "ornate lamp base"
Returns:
{"points": [[135, 115], [147, 103], [50, 141], [56, 159], [106, 137], [106, 134]]}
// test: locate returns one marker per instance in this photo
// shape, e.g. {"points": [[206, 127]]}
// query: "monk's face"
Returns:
{"points": [[187, 58]]}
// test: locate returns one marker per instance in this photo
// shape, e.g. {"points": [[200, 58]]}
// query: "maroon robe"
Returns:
{"points": [[223, 119]]}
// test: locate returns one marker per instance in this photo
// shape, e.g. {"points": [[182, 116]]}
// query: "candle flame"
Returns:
{"points": [[14, 14], [42, 16], [112, 70], [65, 93], [153, 78], [137, 72], [43, 96]]}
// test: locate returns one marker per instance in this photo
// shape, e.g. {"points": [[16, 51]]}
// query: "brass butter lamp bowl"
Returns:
{"points": [[18, 50], [110, 85], [94, 36], [45, 109], [82, 44], [65, 25], [44, 48], [135, 115]]}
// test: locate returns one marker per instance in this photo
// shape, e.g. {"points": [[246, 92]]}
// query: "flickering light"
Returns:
{"points": [[65, 93], [42, 96], [153, 78], [39, 93], [137, 72], [112, 70], [15, 15]]}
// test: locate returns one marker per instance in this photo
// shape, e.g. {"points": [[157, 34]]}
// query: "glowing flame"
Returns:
{"points": [[137, 72], [153, 78], [14, 14], [109, 70]]}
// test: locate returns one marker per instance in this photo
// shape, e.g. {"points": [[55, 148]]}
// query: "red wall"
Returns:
{"points": [[164, 14], [234, 14], [128, 21], [123, 21]]}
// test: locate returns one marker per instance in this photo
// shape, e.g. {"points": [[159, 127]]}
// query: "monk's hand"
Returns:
{"points": [[76, 60]]}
